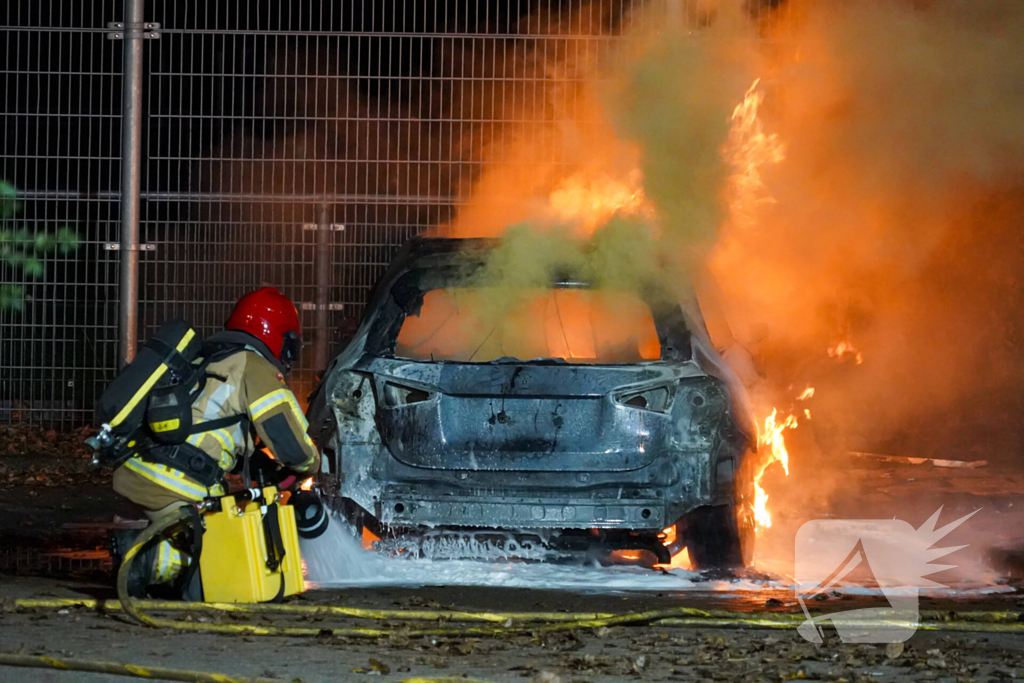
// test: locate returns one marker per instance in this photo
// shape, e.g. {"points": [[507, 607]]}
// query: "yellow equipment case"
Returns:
{"points": [[251, 549]]}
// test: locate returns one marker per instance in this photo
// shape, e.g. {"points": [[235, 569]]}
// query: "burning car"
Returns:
{"points": [[590, 424]]}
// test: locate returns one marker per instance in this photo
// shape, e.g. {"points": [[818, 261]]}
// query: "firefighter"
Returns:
{"points": [[244, 394]]}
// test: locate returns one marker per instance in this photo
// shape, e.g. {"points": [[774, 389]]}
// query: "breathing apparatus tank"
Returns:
{"points": [[164, 362]]}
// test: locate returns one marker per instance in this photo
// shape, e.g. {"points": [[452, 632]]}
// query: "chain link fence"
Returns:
{"points": [[292, 144]]}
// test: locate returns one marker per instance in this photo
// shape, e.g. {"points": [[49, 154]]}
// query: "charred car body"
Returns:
{"points": [[435, 431]]}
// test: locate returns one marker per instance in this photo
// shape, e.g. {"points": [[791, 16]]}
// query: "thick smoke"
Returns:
{"points": [[890, 224], [624, 186]]}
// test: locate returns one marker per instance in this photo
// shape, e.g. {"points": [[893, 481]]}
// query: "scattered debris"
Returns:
{"points": [[935, 659]]}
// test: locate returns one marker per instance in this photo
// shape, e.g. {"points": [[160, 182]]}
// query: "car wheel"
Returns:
{"points": [[719, 537]]}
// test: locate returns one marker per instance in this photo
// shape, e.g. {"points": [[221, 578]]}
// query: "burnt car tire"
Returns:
{"points": [[719, 537]]}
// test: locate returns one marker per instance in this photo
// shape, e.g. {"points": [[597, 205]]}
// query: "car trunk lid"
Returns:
{"points": [[520, 416]]}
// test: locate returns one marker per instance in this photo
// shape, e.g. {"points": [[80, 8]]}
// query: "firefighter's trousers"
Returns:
{"points": [[158, 503]]}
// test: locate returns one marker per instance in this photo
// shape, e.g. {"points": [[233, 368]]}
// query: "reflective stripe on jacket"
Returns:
{"points": [[171, 479]]}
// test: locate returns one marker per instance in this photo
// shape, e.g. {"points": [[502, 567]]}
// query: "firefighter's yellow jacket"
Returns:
{"points": [[243, 383]]}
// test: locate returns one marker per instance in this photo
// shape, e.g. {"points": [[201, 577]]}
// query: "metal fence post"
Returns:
{"points": [[131, 167], [323, 284]]}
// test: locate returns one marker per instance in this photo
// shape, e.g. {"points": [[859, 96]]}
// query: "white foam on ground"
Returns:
{"points": [[338, 560]]}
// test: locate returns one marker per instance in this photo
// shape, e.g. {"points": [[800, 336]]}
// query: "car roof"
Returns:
{"points": [[458, 247]]}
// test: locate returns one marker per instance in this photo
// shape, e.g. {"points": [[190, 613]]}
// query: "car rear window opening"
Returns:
{"points": [[480, 325]]}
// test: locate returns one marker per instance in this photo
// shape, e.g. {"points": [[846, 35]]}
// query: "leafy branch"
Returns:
{"points": [[23, 250]]}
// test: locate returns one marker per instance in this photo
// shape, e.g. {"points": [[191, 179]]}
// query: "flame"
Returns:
{"points": [[589, 200], [626, 556], [306, 585], [307, 485], [680, 560], [771, 439], [773, 442], [844, 350], [368, 539], [748, 148]]}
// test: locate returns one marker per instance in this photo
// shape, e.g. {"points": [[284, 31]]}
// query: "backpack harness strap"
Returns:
{"points": [[189, 459], [185, 457], [219, 423], [172, 358], [214, 354]]}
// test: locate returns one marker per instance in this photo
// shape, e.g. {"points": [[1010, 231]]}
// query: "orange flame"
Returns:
{"points": [[807, 393], [680, 560], [590, 200], [748, 148], [368, 539], [627, 556], [844, 350], [772, 440]]}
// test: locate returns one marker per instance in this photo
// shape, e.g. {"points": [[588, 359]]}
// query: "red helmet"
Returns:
{"points": [[270, 316]]}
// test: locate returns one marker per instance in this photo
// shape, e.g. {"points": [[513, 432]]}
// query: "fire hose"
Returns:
{"points": [[504, 622], [159, 672], [496, 623], [186, 513], [104, 606], [118, 669]]}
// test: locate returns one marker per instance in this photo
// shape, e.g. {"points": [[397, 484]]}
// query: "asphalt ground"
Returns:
{"points": [[654, 653]]}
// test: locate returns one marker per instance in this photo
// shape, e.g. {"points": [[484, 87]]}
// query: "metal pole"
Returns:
{"points": [[323, 285], [131, 165]]}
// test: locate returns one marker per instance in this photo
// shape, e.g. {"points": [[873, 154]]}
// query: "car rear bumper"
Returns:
{"points": [[521, 513], [648, 498]]}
